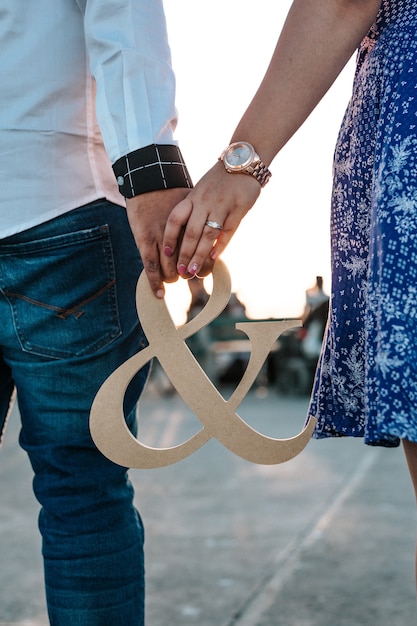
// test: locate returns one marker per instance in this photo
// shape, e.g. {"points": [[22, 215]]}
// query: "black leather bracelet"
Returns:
{"points": [[151, 168]]}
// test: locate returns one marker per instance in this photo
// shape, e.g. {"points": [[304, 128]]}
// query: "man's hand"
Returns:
{"points": [[147, 215]]}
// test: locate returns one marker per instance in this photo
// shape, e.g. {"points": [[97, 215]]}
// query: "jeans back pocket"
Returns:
{"points": [[62, 292]]}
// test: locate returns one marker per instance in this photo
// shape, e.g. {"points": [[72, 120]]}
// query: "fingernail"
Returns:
{"points": [[160, 293], [182, 269], [168, 251], [193, 268]]}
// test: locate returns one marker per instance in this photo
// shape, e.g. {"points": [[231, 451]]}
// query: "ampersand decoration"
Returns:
{"points": [[218, 416]]}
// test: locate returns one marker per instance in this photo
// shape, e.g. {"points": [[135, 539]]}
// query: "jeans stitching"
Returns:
{"points": [[60, 312]]}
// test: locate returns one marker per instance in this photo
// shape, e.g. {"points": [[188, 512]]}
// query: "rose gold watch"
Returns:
{"points": [[241, 158]]}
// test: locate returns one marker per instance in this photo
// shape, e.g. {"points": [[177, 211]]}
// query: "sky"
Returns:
{"points": [[220, 52]]}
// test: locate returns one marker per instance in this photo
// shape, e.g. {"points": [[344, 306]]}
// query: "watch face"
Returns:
{"points": [[239, 155]]}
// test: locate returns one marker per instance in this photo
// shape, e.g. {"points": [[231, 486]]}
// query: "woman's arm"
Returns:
{"points": [[316, 42]]}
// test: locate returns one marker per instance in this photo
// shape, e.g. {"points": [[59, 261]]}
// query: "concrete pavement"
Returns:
{"points": [[326, 539]]}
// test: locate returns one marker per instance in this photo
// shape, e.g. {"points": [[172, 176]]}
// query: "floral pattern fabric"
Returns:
{"points": [[366, 381]]}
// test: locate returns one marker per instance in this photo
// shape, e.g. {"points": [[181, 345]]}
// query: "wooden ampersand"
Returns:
{"points": [[218, 416]]}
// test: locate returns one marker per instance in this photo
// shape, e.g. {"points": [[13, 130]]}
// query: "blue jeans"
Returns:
{"points": [[68, 319]]}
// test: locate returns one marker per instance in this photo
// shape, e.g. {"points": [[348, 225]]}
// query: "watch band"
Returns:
{"points": [[261, 173]]}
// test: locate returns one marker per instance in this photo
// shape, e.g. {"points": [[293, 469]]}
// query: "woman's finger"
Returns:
{"points": [[200, 235]]}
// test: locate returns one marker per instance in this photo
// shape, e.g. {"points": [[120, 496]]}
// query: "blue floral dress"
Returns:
{"points": [[366, 382]]}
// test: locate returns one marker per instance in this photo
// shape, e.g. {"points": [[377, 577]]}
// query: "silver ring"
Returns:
{"points": [[214, 225]]}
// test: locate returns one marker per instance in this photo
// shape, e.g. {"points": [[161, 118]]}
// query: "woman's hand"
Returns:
{"points": [[219, 197]]}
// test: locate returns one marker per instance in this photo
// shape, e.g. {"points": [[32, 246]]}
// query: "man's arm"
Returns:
{"points": [[153, 180], [130, 60]]}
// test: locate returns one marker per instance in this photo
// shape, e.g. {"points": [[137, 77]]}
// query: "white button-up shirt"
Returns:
{"points": [[52, 155]]}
